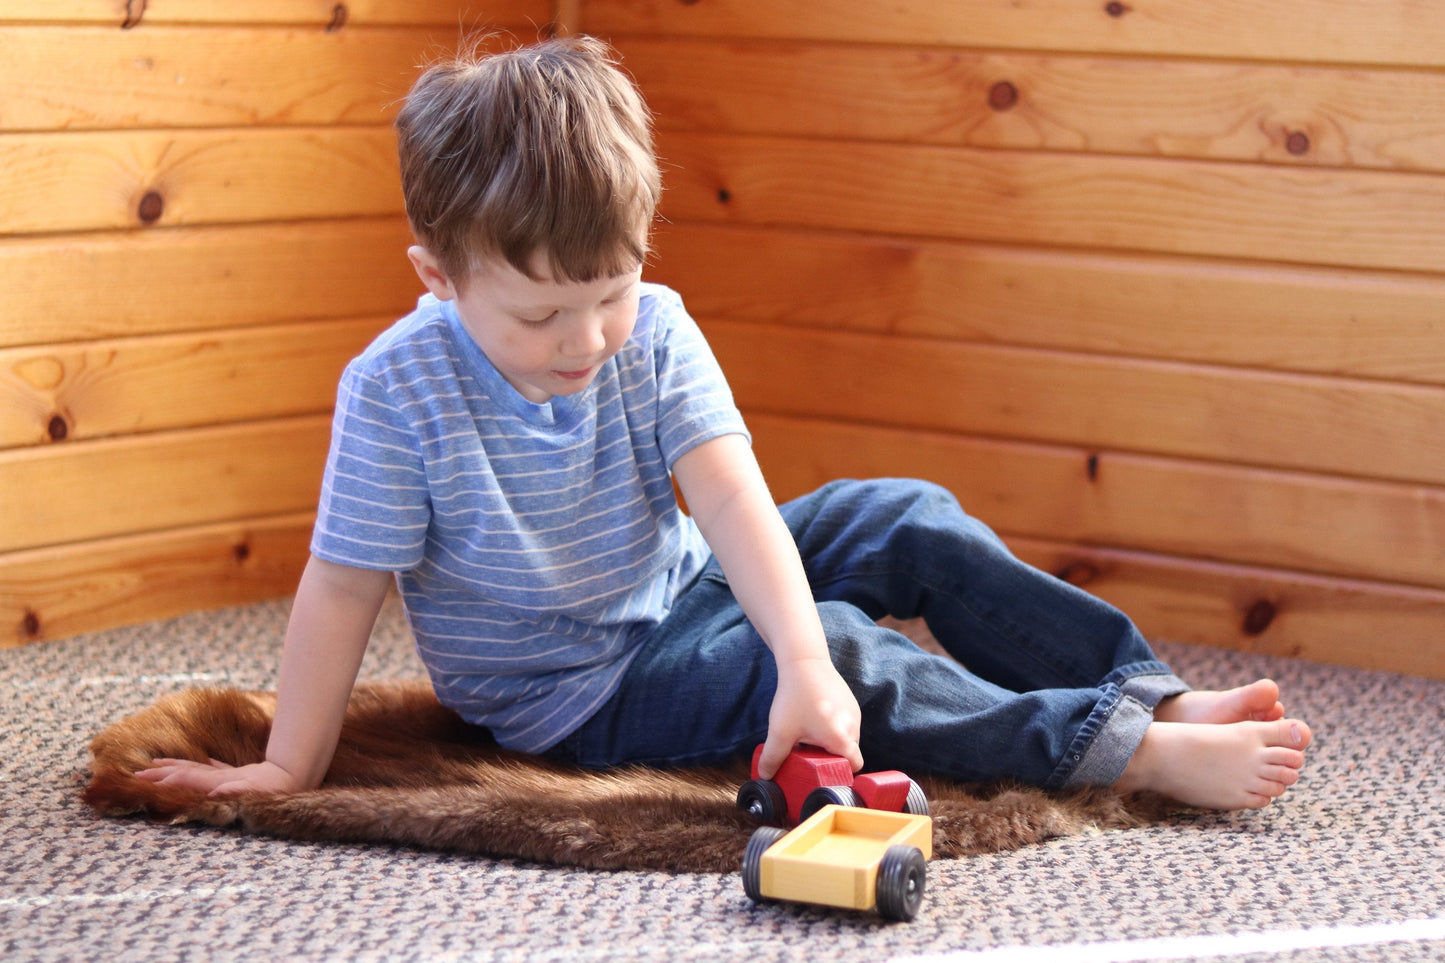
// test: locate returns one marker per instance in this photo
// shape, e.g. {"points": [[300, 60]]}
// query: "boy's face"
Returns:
{"points": [[545, 337]]}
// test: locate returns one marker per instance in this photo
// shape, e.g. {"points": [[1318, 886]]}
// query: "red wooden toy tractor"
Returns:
{"points": [[810, 779]]}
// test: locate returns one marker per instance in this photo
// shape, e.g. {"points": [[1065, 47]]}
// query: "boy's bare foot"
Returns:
{"points": [[1240, 765], [1256, 702]]}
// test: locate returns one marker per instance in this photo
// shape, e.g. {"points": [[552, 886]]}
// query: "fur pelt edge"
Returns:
{"points": [[409, 772]]}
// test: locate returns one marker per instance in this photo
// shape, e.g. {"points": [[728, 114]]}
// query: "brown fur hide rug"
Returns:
{"points": [[409, 772]]}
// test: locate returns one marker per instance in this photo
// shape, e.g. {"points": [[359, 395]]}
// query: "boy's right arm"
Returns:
{"points": [[331, 622]]}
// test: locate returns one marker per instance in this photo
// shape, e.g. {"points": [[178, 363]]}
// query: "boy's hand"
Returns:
{"points": [[813, 705], [215, 778]]}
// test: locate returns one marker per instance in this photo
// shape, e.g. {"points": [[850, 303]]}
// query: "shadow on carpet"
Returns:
{"points": [[409, 772]]}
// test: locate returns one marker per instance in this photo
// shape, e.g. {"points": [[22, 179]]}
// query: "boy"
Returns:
{"points": [[508, 452]]}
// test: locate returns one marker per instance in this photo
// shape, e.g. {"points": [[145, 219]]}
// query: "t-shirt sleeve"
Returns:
{"points": [[695, 403], [375, 508]]}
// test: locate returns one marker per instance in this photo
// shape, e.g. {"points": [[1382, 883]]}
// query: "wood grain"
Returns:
{"points": [[1294, 115], [61, 494], [201, 222], [52, 593], [71, 287], [90, 78], [314, 13], [1326, 425], [95, 181], [1354, 219], [1378, 325], [1257, 609], [1283, 520], [1400, 33], [1166, 308], [126, 385]]}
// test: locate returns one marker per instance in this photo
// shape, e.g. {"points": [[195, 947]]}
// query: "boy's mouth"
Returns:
{"points": [[573, 375]]}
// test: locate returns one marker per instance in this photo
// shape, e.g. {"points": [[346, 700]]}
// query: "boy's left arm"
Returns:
{"points": [[727, 496]]}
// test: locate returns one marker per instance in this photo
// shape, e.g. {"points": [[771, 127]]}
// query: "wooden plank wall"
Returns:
{"points": [[200, 223], [1157, 287]]}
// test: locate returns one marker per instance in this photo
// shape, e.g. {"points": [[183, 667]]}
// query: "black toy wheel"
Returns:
{"points": [[764, 801], [917, 802], [901, 878], [758, 844], [830, 795]]}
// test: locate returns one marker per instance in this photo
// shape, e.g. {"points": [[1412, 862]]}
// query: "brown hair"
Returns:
{"points": [[542, 148]]}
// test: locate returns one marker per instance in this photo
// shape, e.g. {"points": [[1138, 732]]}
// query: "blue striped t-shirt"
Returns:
{"points": [[535, 545]]}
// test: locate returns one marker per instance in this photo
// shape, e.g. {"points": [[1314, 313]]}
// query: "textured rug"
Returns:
{"points": [[409, 772], [1355, 851]]}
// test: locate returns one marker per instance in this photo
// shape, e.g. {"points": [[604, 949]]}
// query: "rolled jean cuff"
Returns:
{"points": [[1152, 685], [1100, 761]]}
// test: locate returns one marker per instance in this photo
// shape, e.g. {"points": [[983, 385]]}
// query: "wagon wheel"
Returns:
{"points": [[901, 878], [830, 795], [763, 799], [917, 802], [758, 843]]}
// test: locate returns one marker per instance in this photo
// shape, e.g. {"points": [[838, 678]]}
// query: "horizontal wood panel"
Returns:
{"points": [[52, 593], [69, 493], [125, 385], [1256, 609], [79, 78], [1247, 112], [91, 181], [1340, 31], [1376, 531], [1357, 218], [458, 14], [1373, 429], [61, 288], [1373, 325]]}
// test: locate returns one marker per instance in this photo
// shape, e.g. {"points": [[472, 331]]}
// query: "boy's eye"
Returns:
{"points": [[537, 322]]}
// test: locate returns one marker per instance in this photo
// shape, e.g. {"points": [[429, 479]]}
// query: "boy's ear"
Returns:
{"points": [[431, 273]]}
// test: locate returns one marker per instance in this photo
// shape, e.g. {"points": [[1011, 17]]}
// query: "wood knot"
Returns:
{"points": [[57, 428], [724, 196], [1116, 9], [1003, 95], [1259, 617], [30, 625], [151, 207], [241, 551], [1077, 573], [1297, 143], [338, 18], [135, 10], [1092, 467]]}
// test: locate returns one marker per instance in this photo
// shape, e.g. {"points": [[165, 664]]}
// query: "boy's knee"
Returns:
{"points": [[855, 640], [847, 630], [844, 620], [899, 494]]}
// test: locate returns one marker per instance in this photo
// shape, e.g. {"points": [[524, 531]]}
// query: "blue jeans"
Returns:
{"points": [[1048, 685]]}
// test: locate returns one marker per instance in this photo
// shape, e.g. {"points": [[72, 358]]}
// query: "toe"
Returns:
{"points": [[1269, 715], [1283, 776], [1289, 733]]}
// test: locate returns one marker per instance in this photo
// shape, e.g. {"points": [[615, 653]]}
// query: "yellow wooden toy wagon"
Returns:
{"points": [[846, 857]]}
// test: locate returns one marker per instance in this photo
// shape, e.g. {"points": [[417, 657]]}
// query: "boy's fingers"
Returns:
{"points": [[846, 747], [854, 755], [774, 752]]}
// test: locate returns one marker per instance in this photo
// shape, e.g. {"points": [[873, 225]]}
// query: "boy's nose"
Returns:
{"points": [[585, 339]]}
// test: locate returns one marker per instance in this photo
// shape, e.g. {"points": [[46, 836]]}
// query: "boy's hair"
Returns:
{"points": [[542, 148]]}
